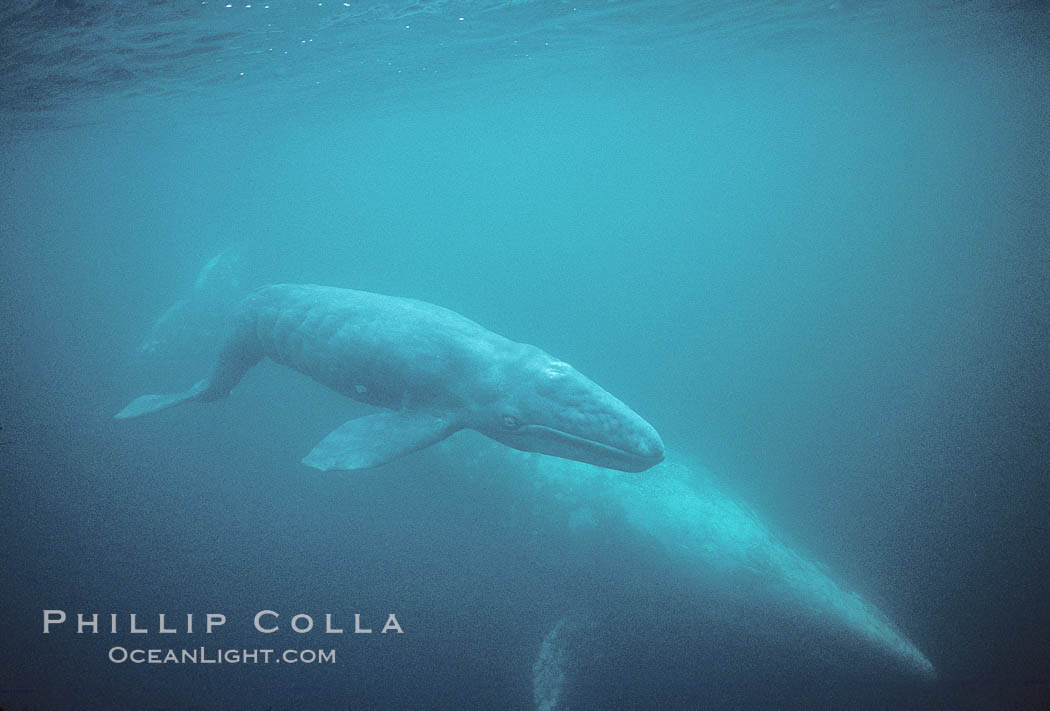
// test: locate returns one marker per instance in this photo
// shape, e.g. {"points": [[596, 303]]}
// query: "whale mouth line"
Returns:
{"points": [[584, 442]]}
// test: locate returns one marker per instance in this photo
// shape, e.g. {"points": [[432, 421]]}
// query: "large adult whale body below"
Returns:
{"points": [[435, 371]]}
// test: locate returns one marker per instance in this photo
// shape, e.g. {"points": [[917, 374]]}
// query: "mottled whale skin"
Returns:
{"points": [[433, 371]]}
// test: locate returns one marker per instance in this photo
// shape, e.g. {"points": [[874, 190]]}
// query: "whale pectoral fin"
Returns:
{"points": [[146, 404], [376, 439]]}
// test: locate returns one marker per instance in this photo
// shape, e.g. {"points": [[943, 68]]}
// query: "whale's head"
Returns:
{"points": [[545, 405]]}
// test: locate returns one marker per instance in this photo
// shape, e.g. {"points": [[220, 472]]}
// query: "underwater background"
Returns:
{"points": [[807, 241]]}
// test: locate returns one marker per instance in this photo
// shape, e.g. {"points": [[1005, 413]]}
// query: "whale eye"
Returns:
{"points": [[510, 422]]}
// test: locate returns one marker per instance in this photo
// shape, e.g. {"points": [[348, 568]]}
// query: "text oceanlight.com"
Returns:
{"points": [[169, 627], [203, 655]]}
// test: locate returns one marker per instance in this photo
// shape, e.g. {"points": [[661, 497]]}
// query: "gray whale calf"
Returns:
{"points": [[433, 370]]}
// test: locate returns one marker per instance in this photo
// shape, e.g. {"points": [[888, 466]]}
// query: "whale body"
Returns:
{"points": [[434, 372], [672, 563]]}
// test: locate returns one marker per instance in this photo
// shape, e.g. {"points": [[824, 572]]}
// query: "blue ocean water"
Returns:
{"points": [[806, 241]]}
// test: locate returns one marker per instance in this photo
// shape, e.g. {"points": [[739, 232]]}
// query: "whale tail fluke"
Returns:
{"points": [[189, 328], [145, 404]]}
